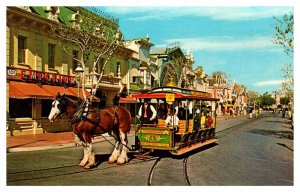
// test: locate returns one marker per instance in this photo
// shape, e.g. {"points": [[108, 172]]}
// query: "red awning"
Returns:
{"points": [[21, 90], [74, 91], [53, 90], [127, 99]]}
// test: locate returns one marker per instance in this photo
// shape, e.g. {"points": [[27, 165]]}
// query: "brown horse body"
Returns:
{"points": [[114, 120]]}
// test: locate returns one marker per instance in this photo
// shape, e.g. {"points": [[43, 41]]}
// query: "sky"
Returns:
{"points": [[235, 39]]}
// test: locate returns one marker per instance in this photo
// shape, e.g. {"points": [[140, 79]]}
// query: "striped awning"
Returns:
{"points": [[74, 91], [53, 90], [21, 90]]}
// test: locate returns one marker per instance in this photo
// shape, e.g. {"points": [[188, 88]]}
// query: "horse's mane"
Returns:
{"points": [[73, 99]]}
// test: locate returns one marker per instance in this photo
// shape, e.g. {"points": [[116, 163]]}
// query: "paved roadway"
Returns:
{"points": [[257, 152]]}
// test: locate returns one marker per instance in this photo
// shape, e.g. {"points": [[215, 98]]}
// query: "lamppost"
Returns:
{"points": [[78, 71]]}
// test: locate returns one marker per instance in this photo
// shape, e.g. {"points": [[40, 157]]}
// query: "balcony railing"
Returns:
{"points": [[106, 81]]}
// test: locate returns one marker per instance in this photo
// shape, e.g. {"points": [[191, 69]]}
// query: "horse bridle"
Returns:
{"points": [[61, 107]]}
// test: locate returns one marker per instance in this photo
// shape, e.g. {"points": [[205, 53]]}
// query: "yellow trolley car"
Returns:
{"points": [[186, 120]]}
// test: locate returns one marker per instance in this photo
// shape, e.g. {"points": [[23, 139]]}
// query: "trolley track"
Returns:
{"points": [[149, 182], [185, 173], [60, 171]]}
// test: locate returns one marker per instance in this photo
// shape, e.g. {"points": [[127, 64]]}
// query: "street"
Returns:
{"points": [[249, 152]]}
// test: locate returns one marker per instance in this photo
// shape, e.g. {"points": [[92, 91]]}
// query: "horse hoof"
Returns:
{"points": [[121, 161], [88, 166], [111, 160]]}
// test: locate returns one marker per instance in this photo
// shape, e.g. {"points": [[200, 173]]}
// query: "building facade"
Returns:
{"points": [[38, 66], [143, 70]]}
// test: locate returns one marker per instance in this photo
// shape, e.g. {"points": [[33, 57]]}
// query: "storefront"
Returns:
{"points": [[29, 97]]}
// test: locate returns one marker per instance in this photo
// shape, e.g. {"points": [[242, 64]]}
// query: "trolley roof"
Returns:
{"points": [[179, 93]]}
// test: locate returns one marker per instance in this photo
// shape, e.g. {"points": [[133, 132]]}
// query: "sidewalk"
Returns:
{"points": [[46, 141], [43, 141]]}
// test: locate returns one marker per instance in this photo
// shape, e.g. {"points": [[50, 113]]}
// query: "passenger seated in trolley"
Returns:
{"points": [[172, 118], [209, 121], [203, 119], [197, 118], [147, 113]]}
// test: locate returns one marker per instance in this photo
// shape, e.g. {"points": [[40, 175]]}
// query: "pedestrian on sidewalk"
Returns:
{"points": [[250, 113], [256, 113]]}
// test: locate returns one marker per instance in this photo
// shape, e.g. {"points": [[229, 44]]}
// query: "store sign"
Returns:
{"points": [[32, 75], [11, 72]]}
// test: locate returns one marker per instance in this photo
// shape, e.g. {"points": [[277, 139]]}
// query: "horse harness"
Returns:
{"points": [[81, 115], [83, 112]]}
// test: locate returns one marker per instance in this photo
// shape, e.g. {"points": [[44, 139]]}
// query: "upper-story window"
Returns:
{"points": [[75, 60], [99, 64], [22, 49], [51, 55], [118, 72]]}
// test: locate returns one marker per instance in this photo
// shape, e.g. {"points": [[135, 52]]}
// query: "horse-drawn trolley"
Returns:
{"points": [[185, 120]]}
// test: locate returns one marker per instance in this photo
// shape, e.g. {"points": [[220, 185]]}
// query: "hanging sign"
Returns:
{"points": [[170, 97]]}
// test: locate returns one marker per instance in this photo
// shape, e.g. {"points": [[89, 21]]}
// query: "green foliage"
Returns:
{"points": [[266, 99], [284, 100], [284, 35]]}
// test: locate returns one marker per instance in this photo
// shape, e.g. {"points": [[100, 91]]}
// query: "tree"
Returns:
{"points": [[284, 36], [252, 97], [284, 100], [92, 35], [266, 100]]}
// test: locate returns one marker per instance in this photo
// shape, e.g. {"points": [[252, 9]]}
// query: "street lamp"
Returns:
{"points": [[78, 72]]}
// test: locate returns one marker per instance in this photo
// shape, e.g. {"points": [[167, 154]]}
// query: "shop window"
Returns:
{"points": [[22, 49], [19, 108], [51, 55], [118, 72], [46, 107]]}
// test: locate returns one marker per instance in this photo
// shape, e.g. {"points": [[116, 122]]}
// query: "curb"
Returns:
{"points": [[56, 146]]}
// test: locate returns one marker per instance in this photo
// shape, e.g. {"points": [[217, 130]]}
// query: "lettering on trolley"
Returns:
{"points": [[165, 132], [155, 144], [153, 138]]}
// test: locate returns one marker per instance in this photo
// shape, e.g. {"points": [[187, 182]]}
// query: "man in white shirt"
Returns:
{"points": [[172, 118]]}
